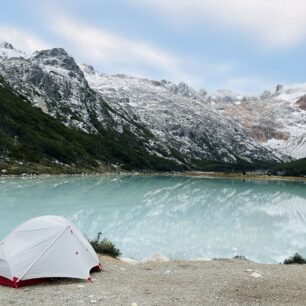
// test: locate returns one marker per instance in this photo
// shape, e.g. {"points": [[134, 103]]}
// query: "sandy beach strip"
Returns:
{"points": [[215, 282]]}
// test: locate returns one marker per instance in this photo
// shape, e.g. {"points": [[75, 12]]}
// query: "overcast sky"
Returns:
{"points": [[244, 45]]}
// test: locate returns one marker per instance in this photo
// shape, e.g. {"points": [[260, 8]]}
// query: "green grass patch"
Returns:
{"points": [[240, 257], [30, 136], [294, 168], [295, 259], [104, 246]]}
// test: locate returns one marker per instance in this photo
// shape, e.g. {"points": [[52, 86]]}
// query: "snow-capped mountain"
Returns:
{"points": [[8, 51], [177, 117], [224, 96], [184, 90], [53, 81], [276, 120], [171, 121]]}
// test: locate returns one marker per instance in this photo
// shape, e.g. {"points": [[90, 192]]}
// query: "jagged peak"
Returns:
{"points": [[265, 94], [279, 88], [88, 69], [182, 84], [54, 52], [203, 92], [182, 89], [7, 50], [6, 45], [57, 58]]}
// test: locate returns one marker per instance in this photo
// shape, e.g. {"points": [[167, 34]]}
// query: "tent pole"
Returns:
{"points": [[34, 262]]}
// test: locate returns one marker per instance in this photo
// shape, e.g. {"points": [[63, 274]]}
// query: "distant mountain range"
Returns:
{"points": [[153, 125]]}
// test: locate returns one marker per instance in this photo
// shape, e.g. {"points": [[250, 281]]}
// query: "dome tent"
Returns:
{"points": [[44, 247]]}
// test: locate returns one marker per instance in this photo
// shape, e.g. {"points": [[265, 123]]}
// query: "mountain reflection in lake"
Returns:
{"points": [[180, 217]]}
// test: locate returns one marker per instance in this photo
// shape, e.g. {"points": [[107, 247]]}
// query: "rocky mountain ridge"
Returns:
{"points": [[171, 121], [192, 127], [275, 119]]}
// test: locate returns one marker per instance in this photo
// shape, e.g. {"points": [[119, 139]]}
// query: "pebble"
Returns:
{"points": [[253, 273], [200, 259], [129, 261], [256, 275], [158, 258]]}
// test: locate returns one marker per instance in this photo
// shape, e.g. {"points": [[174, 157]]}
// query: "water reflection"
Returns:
{"points": [[177, 216]]}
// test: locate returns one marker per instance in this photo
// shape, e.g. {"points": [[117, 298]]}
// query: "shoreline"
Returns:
{"points": [[219, 175], [179, 282], [159, 258], [245, 176]]}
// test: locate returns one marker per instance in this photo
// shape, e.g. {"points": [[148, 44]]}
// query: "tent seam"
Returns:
{"points": [[44, 251]]}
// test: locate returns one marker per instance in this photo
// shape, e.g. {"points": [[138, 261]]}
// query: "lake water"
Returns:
{"points": [[179, 217]]}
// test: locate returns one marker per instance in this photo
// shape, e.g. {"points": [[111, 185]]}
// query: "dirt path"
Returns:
{"points": [[218, 282]]}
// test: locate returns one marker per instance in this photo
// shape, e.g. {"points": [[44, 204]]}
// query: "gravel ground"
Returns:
{"points": [[217, 282]]}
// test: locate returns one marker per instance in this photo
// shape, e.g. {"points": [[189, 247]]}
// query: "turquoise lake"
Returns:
{"points": [[179, 217]]}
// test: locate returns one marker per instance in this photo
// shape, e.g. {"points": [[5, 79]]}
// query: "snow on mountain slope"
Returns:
{"points": [[277, 121], [184, 90], [44, 79], [291, 93], [170, 121], [296, 146], [53, 81], [8, 51], [224, 96], [188, 124]]}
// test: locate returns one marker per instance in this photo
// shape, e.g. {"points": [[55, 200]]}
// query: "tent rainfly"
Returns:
{"points": [[44, 247]]}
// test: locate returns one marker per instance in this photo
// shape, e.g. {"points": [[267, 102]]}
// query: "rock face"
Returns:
{"points": [[301, 103], [8, 51], [277, 121], [171, 121], [265, 95], [177, 117], [279, 88], [53, 81]]}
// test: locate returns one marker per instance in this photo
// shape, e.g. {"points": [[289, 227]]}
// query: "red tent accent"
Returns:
{"points": [[52, 246], [29, 282], [15, 284]]}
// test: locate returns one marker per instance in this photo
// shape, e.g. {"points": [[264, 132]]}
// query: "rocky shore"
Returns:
{"points": [[159, 282]]}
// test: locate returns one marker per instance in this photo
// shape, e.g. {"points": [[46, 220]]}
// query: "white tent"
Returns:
{"points": [[43, 247]]}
